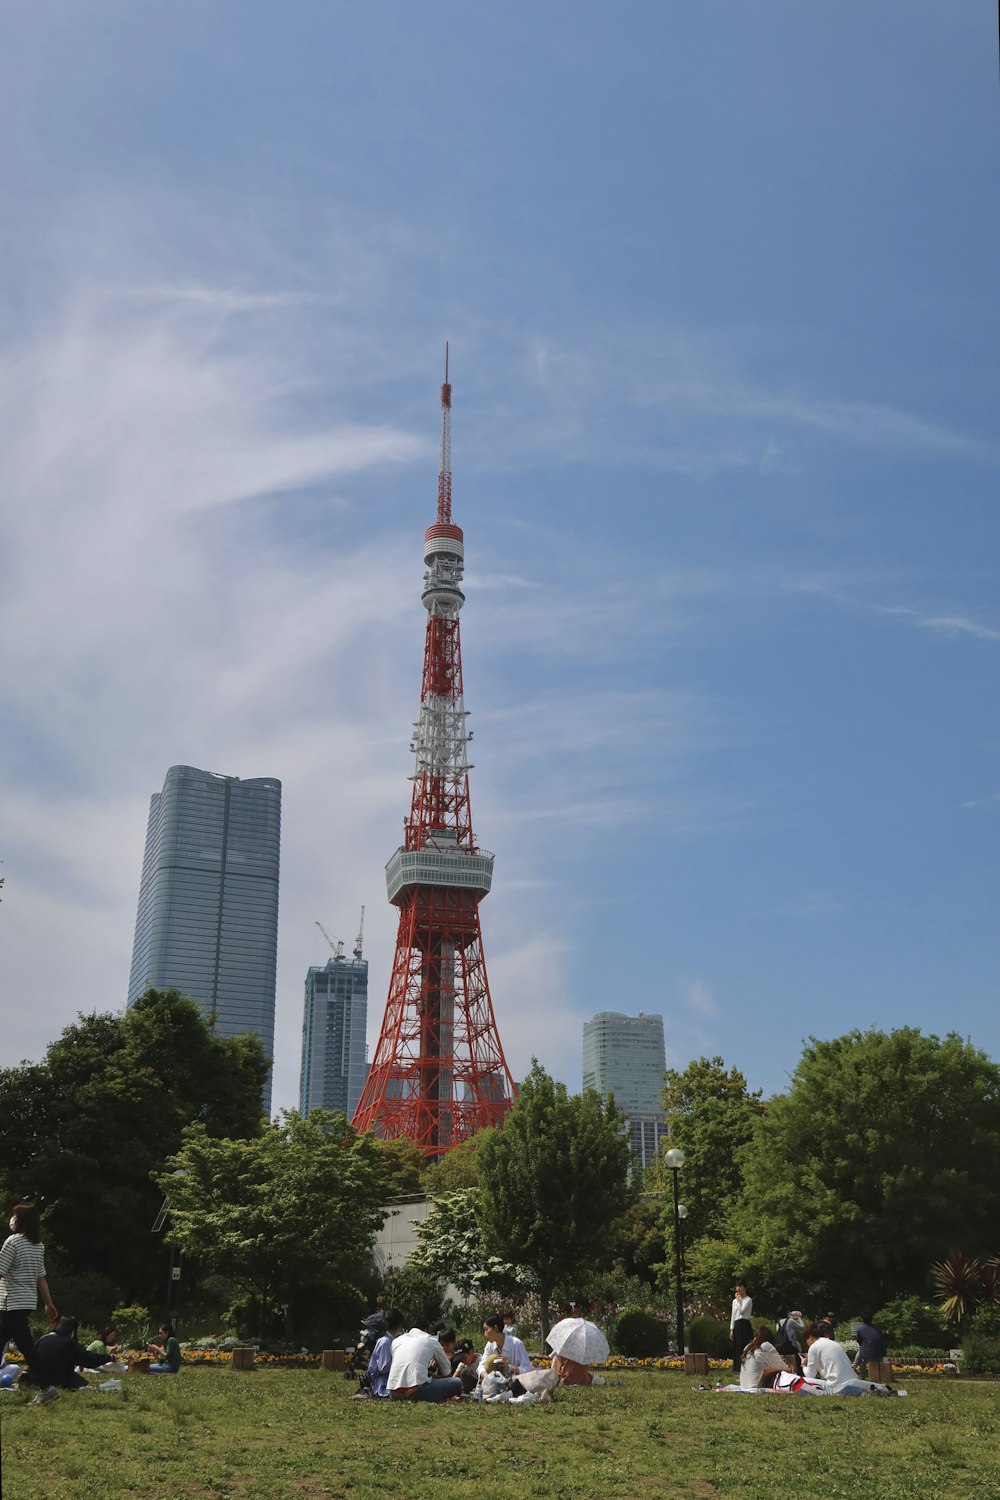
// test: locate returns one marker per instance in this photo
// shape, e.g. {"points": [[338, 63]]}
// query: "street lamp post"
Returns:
{"points": [[674, 1159], [682, 1214]]}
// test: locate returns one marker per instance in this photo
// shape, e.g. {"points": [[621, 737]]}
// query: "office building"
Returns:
{"points": [[207, 922], [625, 1056], [334, 1026]]}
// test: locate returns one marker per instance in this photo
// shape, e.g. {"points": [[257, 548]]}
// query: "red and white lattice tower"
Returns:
{"points": [[439, 1073]]}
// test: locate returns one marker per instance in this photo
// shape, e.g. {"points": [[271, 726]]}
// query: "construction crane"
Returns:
{"points": [[336, 948], [361, 933]]}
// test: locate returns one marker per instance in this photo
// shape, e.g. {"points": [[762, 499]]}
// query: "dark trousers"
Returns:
{"points": [[14, 1326], [742, 1334]]}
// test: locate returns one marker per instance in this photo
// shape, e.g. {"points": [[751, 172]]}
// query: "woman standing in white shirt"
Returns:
{"points": [[740, 1327]]}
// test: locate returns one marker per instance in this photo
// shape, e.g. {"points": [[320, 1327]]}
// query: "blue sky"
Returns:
{"points": [[717, 281]]}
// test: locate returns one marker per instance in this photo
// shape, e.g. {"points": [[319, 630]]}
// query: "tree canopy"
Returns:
{"points": [[295, 1207], [554, 1182], [884, 1154], [82, 1130], [452, 1247], [710, 1114]]}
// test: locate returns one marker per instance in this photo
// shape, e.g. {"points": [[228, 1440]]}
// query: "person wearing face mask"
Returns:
{"points": [[22, 1281]]}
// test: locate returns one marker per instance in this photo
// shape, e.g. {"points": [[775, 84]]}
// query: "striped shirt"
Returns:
{"points": [[21, 1264]]}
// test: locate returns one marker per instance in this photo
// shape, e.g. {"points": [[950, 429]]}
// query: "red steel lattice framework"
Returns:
{"points": [[439, 1073]]}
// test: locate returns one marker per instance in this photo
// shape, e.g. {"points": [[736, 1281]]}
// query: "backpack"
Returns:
{"points": [[783, 1341]]}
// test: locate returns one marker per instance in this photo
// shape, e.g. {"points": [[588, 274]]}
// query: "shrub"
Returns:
{"points": [[709, 1336], [641, 1336], [132, 1324], [981, 1354], [418, 1295], [908, 1320]]}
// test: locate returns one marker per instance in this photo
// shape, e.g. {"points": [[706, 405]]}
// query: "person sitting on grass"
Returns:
{"points": [[381, 1361], [107, 1344], [509, 1353], [167, 1351], [465, 1365], [760, 1362], [61, 1354], [828, 1364], [413, 1356]]}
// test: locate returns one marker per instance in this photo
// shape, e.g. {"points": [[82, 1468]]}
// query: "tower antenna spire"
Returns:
{"points": [[439, 1073], [444, 473]]}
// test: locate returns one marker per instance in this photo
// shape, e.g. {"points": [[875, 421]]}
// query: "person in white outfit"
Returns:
{"points": [[759, 1359], [506, 1348], [740, 1327], [414, 1354], [829, 1364]]}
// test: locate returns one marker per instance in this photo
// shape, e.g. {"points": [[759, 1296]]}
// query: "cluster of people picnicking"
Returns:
{"points": [[772, 1359], [421, 1364], [56, 1361], [432, 1364]]}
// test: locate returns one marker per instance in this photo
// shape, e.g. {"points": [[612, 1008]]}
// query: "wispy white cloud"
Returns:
{"points": [[700, 998], [941, 624], [586, 401], [854, 593]]}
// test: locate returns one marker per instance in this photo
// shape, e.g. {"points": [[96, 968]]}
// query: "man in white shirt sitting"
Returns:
{"points": [[508, 1351], [413, 1354], [829, 1364]]}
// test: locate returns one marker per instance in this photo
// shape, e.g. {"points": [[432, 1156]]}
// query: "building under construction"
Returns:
{"points": [[334, 1027]]}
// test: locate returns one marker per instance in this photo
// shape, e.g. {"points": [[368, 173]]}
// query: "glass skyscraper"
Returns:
{"points": [[334, 1025], [625, 1056], [207, 922]]}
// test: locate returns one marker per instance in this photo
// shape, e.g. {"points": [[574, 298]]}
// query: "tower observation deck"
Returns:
{"points": [[439, 1073]]}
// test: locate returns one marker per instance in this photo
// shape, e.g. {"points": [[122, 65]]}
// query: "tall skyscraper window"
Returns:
{"points": [[334, 1025], [625, 1056], [207, 922]]}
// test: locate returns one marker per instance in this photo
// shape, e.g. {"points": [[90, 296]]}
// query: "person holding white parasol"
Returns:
{"points": [[576, 1344]]}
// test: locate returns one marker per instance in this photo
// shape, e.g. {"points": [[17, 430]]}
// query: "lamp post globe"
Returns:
{"points": [[674, 1158]]}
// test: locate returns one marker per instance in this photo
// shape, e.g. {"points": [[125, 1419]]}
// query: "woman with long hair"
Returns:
{"points": [[760, 1360], [22, 1281]]}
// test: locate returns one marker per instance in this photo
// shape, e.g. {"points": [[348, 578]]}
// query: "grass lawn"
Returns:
{"points": [[297, 1433]]}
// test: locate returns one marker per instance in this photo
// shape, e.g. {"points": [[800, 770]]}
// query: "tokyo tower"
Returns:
{"points": [[439, 1073]]}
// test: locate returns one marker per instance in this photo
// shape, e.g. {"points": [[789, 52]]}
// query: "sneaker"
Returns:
{"points": [[44, 1397], [110, 1385]]}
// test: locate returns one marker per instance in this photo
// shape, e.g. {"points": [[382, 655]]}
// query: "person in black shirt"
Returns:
{"points": [[60, 1352]]}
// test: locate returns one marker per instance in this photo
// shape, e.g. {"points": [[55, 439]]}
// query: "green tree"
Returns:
{"points": [[83, 1130], [458, 1168], [296, 1206], [401, 1163], [554, 1182], [884, 1153], [451, 1246], [640, 1249], [711, 1114]]}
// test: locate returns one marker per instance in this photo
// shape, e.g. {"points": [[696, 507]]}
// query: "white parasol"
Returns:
{"points": [[578, 1339]]}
